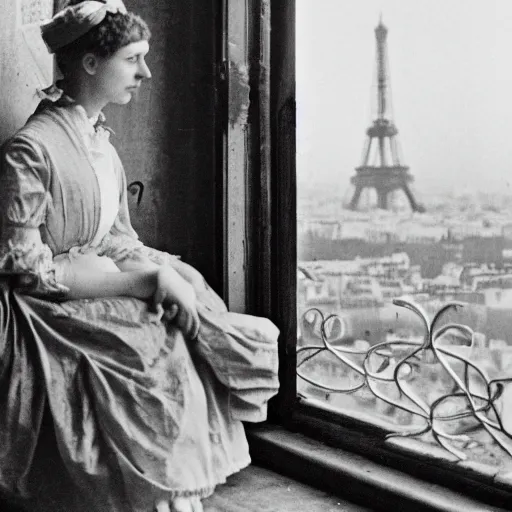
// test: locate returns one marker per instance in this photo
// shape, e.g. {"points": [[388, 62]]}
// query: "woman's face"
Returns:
{"points": [[119, 76]]}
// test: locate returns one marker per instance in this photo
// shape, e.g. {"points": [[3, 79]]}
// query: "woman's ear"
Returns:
{"points": [[90, 63]]}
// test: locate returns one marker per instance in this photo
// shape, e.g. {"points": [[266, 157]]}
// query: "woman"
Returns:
{"points": [[144, 374]]}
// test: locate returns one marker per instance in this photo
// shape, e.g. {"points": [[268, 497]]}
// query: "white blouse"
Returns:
{"points": [[108, 183], [100, 154]]}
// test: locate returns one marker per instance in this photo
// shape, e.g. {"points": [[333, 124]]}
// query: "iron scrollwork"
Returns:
{"points": [[136, 188], [387, 368]]}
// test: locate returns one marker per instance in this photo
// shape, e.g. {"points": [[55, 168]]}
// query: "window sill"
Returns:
{"points": [[364, 434], [368, 482]]}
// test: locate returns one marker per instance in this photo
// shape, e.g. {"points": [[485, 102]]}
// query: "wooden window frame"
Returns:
{"points": [[270, 242]]}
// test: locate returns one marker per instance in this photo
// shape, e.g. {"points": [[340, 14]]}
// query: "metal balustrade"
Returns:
{"points": [[390, 370]]}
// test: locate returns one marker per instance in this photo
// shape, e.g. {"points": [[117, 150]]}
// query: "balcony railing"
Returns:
{"points": [[474, 394]]}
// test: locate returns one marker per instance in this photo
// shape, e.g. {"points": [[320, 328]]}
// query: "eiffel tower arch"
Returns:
{"points": [[387, 174]]}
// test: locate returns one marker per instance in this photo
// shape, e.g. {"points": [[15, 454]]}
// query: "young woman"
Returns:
{"points": [[144, 374]]}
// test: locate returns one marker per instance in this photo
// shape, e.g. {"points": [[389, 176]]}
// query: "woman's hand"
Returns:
{"points": [[178, 299]]}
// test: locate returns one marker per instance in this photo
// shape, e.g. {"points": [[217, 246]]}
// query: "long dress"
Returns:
{"points": [[136, 411]]}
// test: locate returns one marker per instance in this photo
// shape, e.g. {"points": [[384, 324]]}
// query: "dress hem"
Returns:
{"points": [[204, 492]]}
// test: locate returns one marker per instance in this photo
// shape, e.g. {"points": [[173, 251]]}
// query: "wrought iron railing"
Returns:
{"points": [[388, 371]]}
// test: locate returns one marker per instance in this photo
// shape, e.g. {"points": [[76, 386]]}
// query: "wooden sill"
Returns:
{"points": [[427, 462], [365, 481]]}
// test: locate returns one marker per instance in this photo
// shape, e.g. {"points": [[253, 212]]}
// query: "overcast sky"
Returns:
{"points": [[450, 64]]}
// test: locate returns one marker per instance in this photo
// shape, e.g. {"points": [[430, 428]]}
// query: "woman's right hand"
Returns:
{"points": [[178, 299]]}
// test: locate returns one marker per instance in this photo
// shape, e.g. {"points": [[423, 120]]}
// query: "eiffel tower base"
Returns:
{"points": [[382, 198]]}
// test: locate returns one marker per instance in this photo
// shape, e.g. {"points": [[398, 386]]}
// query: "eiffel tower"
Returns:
{"points": [[387, 174]]}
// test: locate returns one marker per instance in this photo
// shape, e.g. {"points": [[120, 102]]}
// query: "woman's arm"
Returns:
{"points": [[84, 283], [139, 261], [167, 289]]}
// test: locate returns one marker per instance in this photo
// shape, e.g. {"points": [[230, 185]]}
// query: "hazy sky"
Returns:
{"points": [[450, 64]]}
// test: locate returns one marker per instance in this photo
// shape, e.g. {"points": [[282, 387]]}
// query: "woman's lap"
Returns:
{"points": [[138, 412], [125, 399]]}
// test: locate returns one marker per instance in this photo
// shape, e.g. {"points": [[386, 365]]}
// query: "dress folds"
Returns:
{"points": [[136, 411]]}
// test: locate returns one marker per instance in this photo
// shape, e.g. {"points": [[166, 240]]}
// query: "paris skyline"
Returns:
{"points": [[451, 81]]}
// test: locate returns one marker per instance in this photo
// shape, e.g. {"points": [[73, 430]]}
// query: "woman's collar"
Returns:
{"points": [[54, 94]]}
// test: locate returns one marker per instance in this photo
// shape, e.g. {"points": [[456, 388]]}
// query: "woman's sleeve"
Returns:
{"points": [[24, 198]]}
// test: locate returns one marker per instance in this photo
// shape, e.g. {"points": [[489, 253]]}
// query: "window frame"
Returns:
{"points": [[274, 260]]}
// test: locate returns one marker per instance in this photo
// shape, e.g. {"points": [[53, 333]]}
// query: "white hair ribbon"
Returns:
{"points": [[76, 20]]}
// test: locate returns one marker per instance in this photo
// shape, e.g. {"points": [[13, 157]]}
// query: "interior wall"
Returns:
{"points": [[167, 136], [25, 65]]}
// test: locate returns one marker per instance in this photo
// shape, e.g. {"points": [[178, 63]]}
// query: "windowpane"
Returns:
{"points": [[404, 171]]}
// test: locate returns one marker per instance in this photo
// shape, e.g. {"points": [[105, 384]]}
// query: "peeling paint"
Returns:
{"points": [[239, 90]]}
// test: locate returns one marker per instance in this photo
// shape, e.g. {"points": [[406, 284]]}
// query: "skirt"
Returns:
{"points": [[107, 408]]}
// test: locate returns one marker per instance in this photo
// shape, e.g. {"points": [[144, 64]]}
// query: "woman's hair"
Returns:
{"points": [[114, 32]]}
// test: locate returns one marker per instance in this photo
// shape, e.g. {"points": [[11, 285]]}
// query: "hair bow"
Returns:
{"points": [[76, 20]]}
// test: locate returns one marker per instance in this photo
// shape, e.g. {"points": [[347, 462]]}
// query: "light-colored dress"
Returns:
{"points": [[137, 412]]}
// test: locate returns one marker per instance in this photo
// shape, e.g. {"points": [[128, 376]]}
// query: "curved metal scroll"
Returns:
{"points": [[393, 363], [136, 188]]}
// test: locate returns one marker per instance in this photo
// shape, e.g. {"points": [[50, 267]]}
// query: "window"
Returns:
{"points": [[421, 217]]}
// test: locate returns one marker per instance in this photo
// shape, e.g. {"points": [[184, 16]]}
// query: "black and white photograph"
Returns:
{"points": [[255, 255]]}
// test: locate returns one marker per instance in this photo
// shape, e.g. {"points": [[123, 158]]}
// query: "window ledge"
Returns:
{"points": [[357, 478], [365, 436]]}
